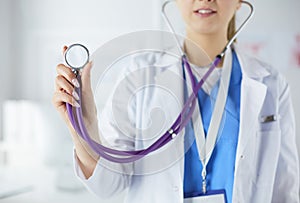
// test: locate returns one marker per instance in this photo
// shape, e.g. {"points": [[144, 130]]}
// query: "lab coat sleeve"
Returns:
{"points": [[104, 182], [117, 130], [286, 186]]}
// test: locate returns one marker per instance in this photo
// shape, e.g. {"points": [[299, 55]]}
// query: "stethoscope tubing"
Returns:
{"points": [[131, 156], [119, 156]]}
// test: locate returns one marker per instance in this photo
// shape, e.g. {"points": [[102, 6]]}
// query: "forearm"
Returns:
{"points": [[87, 159], [86, 162], [102, 177]]}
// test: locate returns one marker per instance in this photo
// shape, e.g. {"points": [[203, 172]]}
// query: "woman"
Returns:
{"points": [[255, 158]]}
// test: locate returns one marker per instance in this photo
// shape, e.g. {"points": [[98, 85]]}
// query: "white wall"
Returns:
{"points": [[5, 51], [5, 54], [43, 27]]}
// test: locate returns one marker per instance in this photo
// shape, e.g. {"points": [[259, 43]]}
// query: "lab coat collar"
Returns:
{"points": [[250, 65], [247, 63], [253, 93], [253, 71]]}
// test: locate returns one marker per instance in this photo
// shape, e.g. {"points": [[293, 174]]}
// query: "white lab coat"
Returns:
{"points": [[266, 168]]}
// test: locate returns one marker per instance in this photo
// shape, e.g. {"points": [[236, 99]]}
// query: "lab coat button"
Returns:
{"points": [[242, 156], [175, 188]]}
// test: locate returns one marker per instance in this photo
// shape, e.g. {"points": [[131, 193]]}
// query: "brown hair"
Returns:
{"points": [[231, 28]]}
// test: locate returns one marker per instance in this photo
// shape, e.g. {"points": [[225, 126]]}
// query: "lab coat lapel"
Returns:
{"points": [[171, 79], [253, 93], [252, 97]]}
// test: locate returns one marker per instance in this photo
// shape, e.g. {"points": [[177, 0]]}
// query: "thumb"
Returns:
{"points": [[86, 75]]}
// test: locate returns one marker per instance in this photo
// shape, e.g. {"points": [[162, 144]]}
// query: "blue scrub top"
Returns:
{"points": [[221, 166]]}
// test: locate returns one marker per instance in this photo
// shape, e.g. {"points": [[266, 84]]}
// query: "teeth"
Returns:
{"points": [[205, 11]]}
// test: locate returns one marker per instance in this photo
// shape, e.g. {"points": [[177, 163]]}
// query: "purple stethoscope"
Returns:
{"points": [[77, 56]]}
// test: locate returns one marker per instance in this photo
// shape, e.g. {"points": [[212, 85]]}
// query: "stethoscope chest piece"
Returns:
{"points": [[77, 56]]}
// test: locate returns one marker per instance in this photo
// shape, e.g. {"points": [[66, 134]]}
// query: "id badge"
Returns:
{"points": [[213, 196]]}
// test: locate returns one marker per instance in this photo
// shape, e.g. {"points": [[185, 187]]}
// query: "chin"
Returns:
{"points": [[199, 28], [201, 31]]}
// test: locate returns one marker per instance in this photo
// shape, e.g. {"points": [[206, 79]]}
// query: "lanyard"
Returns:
{"points": [[206, 145]]}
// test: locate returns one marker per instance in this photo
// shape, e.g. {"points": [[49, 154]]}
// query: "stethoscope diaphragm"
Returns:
{"points": [[77, 56]]}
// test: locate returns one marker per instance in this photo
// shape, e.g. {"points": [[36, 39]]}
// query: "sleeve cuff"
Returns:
{"points": [[107, 178], [78, 171]]}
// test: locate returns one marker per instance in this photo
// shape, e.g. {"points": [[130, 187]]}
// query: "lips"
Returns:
{"points": [[205, 12]]}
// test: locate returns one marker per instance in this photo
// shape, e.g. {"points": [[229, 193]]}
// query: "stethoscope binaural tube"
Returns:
{"points": [[119, 156], [229, 43]]}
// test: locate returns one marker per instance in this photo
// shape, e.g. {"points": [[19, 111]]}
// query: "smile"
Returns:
{"points": [[205, 12]]}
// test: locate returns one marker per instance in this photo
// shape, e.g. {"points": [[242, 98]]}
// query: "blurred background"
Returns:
{"points": [[35, 146]]}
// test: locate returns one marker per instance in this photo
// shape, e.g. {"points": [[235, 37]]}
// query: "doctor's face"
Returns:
{"points": [[207, 16]]}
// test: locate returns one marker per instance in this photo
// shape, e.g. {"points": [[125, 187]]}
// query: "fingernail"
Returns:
{"points": [[75, 95], [76, 104], [75, 82]]}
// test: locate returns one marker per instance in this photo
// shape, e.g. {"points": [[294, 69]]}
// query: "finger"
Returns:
{"points": [[63, 85], [61, 97], [86, 74], [63, 70]]}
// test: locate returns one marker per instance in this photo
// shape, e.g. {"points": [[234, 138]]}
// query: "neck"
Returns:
{"points": [[202, 49]]}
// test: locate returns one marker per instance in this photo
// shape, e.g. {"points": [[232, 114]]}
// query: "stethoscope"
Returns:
{"points": [[77, 56]]}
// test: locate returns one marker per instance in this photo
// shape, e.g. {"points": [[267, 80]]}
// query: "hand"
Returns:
{"points": [[64, 93]]}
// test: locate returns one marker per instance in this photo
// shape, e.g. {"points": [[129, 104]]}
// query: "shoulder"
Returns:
{"points": [[155, 58], [253, 64], [149, 65], [259, 69]]}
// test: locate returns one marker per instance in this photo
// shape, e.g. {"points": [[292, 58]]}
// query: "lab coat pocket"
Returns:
{"points": [[266, 157], [269, 123]]}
